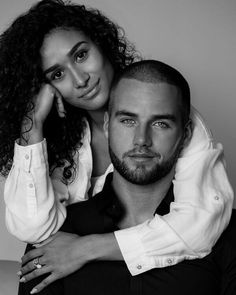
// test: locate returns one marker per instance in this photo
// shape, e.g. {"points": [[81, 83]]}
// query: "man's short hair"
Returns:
{"points": [[153, 71]]}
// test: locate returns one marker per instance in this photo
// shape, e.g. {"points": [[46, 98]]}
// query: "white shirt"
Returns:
{"points": [[36, 203]]}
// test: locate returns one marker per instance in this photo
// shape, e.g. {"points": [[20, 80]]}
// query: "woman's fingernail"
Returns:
{"points": [[22, 280], [19, 273], [33, 291]]}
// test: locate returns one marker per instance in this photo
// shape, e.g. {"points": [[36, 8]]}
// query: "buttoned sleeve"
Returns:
{"points": [[33, 209], [200, 212], [36, 202]]}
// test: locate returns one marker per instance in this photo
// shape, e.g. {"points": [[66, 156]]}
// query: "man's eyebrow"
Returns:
{"points": [[125, 113], [166, 116], [71, 52], [170, 117]]}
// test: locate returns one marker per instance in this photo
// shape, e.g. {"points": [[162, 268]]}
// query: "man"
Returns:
{"points": [[147, 126]]}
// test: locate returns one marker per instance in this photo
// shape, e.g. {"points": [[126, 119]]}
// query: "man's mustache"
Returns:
{"points": [[141, 152]]}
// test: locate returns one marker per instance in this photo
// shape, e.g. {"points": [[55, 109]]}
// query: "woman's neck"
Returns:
{"points": [[96, 119], [99, 144]]}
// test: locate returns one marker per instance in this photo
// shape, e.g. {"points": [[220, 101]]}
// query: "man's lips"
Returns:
{"points": [[91, 91], [141, 155]]}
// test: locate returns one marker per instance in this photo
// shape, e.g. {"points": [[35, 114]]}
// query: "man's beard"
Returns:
{"points": [[141, 175]]}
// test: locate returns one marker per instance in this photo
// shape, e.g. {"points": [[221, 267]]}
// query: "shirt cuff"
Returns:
{"points": [[133, 251], [152, 245], [34, 155]]}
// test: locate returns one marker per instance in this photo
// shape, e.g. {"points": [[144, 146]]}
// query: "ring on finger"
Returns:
{"points": [[36, 263]]}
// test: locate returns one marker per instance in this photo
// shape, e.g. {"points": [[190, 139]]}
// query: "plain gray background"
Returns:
{"points": [[195, 36]]}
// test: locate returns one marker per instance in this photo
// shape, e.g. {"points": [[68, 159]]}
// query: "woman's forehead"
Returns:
{"points": [[59, 43]]}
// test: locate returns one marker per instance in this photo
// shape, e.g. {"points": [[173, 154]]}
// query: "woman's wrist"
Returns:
{"points": [[31, 133], [103, 247]]}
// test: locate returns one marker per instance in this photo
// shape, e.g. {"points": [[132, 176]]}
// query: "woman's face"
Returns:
{"points": [[75, 66]]}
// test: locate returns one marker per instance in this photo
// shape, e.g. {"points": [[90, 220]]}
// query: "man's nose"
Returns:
{"points": [[142, 136], [80, 78]]}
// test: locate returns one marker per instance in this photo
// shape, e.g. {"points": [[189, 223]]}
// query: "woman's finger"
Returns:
{"points": [[36, 263], [31, 255], [50, 279], [43, 102], [34, 274], [60, 106]]}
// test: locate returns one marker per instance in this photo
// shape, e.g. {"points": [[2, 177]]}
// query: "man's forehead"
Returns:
{"points": [[133, 95]]}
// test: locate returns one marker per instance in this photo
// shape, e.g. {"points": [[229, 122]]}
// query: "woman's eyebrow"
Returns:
{"points": [[75, 47], [51, 69], [70, 53]]}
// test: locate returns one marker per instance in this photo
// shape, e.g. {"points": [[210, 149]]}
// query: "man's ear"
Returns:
{"points": [[106, 124], [188, 131]]}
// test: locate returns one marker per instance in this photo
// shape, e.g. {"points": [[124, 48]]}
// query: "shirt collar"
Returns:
{"points": [[110, 207]]}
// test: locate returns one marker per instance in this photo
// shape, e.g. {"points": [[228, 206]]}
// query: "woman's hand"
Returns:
{"points": [[32, 125], [44, 102], [59, 256], [64, 253]]}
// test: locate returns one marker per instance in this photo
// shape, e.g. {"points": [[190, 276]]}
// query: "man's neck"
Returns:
{"points": [[139, 201]]}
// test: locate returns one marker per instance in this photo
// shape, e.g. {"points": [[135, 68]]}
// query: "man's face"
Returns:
{"points": [[144, 130]]}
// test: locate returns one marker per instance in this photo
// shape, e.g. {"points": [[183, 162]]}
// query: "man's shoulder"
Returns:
{"points": [[233, 217], [228, 237], [85, 217], [230, 231]]}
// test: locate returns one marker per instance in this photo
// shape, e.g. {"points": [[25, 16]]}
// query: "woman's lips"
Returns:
{"points": [[90, 93]]}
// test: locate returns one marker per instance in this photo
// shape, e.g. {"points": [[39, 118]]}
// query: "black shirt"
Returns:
{"points": [[212, 275]]}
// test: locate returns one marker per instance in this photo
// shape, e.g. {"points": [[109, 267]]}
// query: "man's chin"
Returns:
{"points": [[140, 176], [143, 165]]}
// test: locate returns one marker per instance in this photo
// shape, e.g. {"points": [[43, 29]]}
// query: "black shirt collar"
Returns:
{"points": [[109, 206]]}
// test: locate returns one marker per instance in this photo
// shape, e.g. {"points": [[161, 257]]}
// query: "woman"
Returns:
{"points": [[57, 64]]}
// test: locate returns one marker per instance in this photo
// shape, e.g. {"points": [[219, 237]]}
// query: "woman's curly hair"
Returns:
{"points": [[21, 75]]}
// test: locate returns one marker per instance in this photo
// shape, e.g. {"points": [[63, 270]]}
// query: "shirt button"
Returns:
{"points": [[169, 261], [217, 198], [27, 157], [31, 185], [139, 266]]}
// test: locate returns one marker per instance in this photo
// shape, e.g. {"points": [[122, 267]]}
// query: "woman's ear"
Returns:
{"points": [[106, 124]]}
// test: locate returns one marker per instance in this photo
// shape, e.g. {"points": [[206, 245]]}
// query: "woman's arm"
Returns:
{"points": [[33, 207], [35, 201]]}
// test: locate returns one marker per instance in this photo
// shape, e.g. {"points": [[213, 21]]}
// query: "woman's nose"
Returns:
{"points": [[80, 78]]}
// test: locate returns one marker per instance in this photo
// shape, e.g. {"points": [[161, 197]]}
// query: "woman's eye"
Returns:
{"points": [[57, 75], [81, 55]]}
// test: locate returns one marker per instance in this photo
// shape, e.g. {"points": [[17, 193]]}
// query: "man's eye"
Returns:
{"points": [[128, 122], [81, 55], [161, 124]]}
